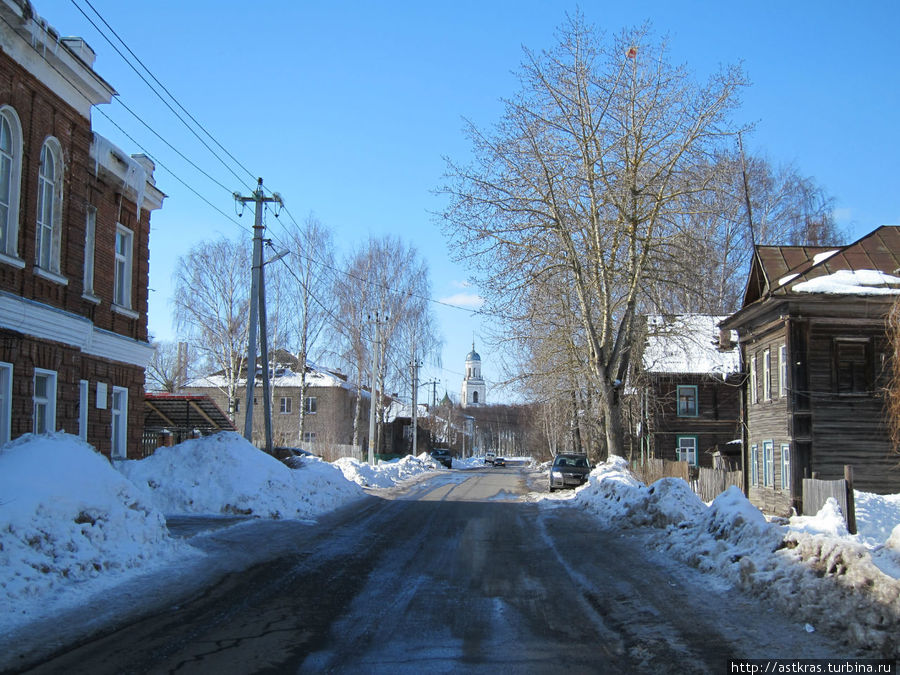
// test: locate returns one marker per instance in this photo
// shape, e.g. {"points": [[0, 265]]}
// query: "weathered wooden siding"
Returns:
{"points": [[850, 428], [767, 420], [718, 415]]}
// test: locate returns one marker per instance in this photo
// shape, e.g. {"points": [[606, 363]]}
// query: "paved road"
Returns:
{"points": [[454, 575]]}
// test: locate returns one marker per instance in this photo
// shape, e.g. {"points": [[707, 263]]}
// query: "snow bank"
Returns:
{"points": [[810, 566], [385, 474], [224, 473], [68, 518]]}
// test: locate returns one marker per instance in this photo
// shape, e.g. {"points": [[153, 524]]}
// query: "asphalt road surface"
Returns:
{"points": [[453, 575]]}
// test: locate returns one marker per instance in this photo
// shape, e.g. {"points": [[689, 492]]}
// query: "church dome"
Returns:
{"points": [[473, 356]]}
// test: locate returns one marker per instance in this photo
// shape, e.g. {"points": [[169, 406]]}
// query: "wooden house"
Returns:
{"points": [[814, 348], [689, 391]]}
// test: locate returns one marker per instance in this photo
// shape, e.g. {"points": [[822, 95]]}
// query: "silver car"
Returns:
{"points": [[569, 471]]}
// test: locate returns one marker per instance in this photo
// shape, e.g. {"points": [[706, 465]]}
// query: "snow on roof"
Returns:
{"points": [[284, 376], [687, 343], [851, 282], [825, 255]]}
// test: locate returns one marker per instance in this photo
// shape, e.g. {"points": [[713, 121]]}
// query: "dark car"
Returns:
{"points": [[443, 456], [569, 471], [499, 461], [293, 457]]}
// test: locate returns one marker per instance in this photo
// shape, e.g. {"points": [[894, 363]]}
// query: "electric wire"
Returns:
{"points": [[161, 98]]}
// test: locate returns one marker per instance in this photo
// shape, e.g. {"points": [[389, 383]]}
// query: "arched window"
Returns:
{"points": [[474, 397], [49, 215], [10, 180]]}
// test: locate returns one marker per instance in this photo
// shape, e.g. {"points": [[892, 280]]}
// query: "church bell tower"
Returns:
{"points": [[473, 387]]}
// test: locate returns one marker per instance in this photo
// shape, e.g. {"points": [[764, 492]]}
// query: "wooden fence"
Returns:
{"points": [[816, 492], [713, 482], [707, 483]]}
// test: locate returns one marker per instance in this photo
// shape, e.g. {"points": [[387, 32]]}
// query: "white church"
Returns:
{"points": [[473, 387]]}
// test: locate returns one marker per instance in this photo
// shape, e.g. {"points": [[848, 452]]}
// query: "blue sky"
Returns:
{"points": [[347, 108]]}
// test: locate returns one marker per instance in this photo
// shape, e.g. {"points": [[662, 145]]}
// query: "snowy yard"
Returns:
{"points": [[73, 526]]}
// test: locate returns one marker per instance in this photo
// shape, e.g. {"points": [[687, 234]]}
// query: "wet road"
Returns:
{"points": [[453, 575]]}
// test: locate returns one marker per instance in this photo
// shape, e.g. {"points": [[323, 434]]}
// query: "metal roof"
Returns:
{"points": [[184, 411]]}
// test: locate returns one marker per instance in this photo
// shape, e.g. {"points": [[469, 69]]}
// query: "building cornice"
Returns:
{"points": [[62, 64], [44, 322]]}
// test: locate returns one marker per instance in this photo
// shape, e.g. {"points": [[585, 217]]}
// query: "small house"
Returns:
{"points": [[689, 389]]}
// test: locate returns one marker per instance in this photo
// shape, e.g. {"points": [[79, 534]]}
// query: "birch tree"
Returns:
{"points": [[312, 303], [212, 300], [583, 179], [388, 280]]}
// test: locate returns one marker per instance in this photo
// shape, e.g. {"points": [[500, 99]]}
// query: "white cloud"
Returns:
{"points": [[471, 300], [461, 284]]}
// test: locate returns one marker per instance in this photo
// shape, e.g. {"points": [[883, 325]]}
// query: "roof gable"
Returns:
{"points": [[777, 270]]}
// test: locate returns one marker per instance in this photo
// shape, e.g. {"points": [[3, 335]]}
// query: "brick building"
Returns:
{"points": [[328, 403], [74, 232]]}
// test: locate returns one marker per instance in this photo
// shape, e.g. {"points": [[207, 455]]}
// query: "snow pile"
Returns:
{"points": [[811, 566], [225, 474], [68, 517], [469, 463], [385, 474]]}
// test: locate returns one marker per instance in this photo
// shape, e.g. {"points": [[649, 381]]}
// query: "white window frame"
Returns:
{"points": [[684, 454], [49, 218], [124, 263], [119, 423], [9, 230], [309, 436], [785, 466], [311, 405], [284, 405], [49, 401], [6, 376], [84, 396], [754, 388], [767, 375], [782, 371], [769, 463], [90, 240], [754, 464]]}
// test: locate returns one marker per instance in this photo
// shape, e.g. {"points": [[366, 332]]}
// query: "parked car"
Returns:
{"points": [[293, 457], [499, 461], [489, 457], [443, 456], [569, 471]]}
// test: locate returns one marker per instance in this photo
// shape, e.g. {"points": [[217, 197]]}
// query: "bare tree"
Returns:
{"points": [[385, 280], [584, 179], [169, 368], [212, 292], [312, 304]]}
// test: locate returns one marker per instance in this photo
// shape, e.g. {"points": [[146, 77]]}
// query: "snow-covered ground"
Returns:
{"points": [[73, 526], [809, 566]]}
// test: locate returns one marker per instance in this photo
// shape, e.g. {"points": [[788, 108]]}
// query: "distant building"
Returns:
{"points": [[473, 387], [74, 246], [328, 405]]}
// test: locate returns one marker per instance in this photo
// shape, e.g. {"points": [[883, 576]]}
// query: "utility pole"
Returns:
{"points": [[375, 354], [414, 365], [257, 304]]}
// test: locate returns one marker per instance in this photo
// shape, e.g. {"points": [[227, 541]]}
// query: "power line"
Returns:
{"points": [[161, 98]]}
